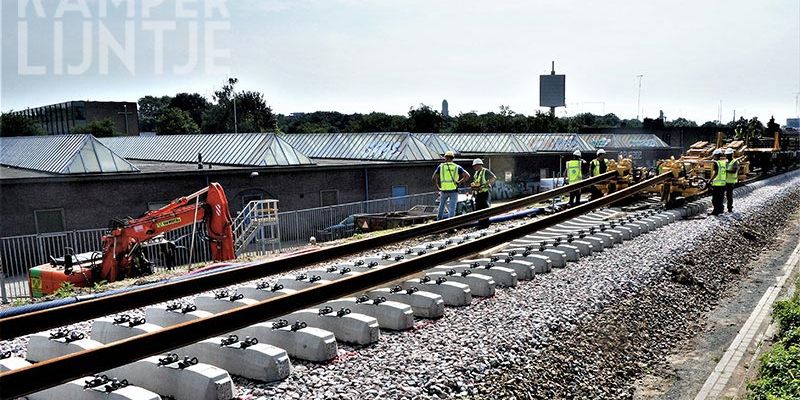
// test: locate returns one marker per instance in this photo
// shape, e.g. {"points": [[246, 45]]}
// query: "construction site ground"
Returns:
{"points": [[686, 371]]}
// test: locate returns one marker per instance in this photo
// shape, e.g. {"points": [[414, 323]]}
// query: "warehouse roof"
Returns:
{"points": [[483, 143], [381, 146], [434, 142], [625, 141], [553, 142], [61, 154], [242, 149]]}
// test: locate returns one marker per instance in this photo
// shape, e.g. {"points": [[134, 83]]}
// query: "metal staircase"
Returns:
{"points": [[257, 224]]}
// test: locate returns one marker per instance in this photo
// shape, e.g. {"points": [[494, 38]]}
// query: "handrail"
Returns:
{"points": [[40, 320], [26, 380]]}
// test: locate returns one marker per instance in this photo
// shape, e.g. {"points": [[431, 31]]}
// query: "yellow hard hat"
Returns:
{"points": [[449, 153]]}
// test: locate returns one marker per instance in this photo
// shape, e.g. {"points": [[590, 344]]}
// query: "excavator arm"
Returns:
{"points": [[122, 244]]}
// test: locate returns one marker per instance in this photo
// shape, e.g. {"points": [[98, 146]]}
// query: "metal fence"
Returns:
{"points": [[19, 253], [336, 222]]}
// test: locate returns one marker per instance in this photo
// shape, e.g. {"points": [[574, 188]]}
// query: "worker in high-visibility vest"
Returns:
{"points": [[481, 188], [574, 174], [596, 167], [447, 177], [719, 180], [732, 177]]}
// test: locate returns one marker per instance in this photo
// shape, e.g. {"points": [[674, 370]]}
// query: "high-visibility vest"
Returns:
{"points": [[721, 179], [574, 171], [480, 180], [594, 166], [448, 176], [732, 174]]}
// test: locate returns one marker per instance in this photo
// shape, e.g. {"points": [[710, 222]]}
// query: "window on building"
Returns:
{"points": [[328, 197], [49, 220]]}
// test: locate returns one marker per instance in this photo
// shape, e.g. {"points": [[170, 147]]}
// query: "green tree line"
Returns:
{"points": [[192, 113]]}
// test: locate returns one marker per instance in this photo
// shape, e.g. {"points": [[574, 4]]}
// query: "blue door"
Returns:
{"points": [[399, 201]]}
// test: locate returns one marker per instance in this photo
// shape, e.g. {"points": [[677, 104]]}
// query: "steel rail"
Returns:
{"points": [[52, 372], [37, 321]]}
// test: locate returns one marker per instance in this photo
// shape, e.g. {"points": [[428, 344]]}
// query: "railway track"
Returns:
{"points": [[306, 315]]}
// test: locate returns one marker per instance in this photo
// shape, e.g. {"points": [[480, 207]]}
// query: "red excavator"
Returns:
{"points": [[123, 256]]}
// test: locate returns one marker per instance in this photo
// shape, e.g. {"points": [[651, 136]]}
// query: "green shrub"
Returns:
{"points": [[66, 289], [787, 314], [779, 372]]}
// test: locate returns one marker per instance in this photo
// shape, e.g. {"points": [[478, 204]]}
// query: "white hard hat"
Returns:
{"points": [[600, 151], [576, 153], [477, 161], [449, 153], [716, 152], [729, 151]]}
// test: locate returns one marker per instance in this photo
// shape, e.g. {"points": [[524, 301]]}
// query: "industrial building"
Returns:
{"points": [[47, 182], [63, 118]]}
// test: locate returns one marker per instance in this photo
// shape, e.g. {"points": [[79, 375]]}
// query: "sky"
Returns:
{"points": [[698, 59]]}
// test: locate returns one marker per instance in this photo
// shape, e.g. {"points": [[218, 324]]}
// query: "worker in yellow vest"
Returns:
{"points": [[596, 167], [481, 186], [732, 177], [447, 177], [574, 174], [719, 180]]}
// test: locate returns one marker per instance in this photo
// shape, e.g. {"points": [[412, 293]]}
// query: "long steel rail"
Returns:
{"points": [[52, 372], [37, 321]]}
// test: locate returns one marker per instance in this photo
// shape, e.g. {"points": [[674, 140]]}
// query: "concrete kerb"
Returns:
{"points": [[299, 340], [107, 330], [10, 363], [502, 276], [423, 304], [480, 285], [215, 304], [390, 315], [42, 347], [75, 390], [258, 293], [164, 316], [453, 294], [524, 269], [260, 361], [347, 327], [199, 381]]}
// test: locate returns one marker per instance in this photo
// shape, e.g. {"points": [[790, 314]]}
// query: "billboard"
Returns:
{"points": [[551, 91], [793, 123]]}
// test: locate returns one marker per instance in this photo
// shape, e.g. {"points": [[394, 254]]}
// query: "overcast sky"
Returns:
{"points": [[382, 55]]}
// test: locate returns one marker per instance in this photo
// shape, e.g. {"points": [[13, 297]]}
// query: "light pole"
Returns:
{"points": [[639, 97], [231, 82]]}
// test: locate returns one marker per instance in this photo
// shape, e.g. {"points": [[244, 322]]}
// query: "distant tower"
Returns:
{"points": [[445, 111]]}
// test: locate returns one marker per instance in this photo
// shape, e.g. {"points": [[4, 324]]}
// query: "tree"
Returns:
{"points": [[681, 123], [376, 122], [424, 119], [711, 124], [630, 123], [174, 121], [252, 112], [193, 103], [466, 123], [150, 109], [99, 128], [18, 125]]}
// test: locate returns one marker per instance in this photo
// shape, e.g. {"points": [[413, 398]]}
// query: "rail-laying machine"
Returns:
{"points": [[122, 254]]}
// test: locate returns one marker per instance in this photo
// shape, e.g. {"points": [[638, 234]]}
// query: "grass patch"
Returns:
{"points": [[779, 372]]}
